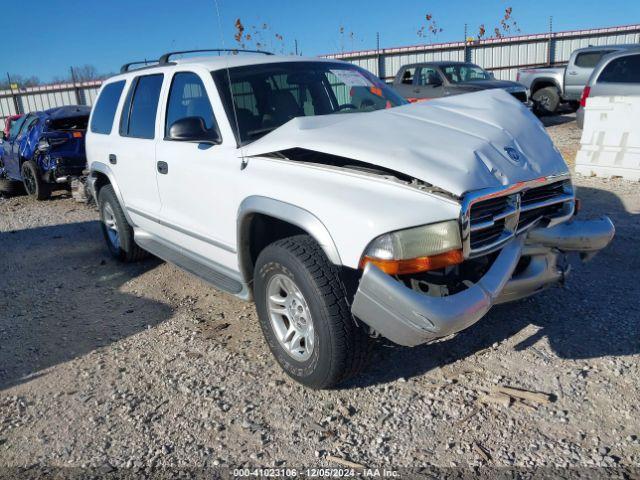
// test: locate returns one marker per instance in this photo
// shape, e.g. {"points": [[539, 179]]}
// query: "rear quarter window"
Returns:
{"points": [[622, 70], [590, 59], [105, 109]]}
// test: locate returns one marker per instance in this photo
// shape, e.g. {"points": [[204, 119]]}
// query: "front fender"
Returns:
{"points": [[287, 212]]}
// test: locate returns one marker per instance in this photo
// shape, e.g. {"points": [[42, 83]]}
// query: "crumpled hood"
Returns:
{"points": [[456, 143]]}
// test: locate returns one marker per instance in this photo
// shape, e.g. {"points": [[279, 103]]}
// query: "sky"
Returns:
{"points": [[57, 34]]}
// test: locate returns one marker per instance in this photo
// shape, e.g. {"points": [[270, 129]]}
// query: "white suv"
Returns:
{"points": [[311, 187]]}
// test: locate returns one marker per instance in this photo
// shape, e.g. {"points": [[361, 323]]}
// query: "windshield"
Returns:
{"points": [[465, 72], [268, 96]]}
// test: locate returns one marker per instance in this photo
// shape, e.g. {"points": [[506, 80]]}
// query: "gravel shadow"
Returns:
{"points": [[596, 314], [60, 298]]}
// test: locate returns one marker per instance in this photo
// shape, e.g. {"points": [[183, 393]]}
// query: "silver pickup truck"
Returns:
{"points": [[549, 86]]}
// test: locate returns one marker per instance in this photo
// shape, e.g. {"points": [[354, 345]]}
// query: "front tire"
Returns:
{"points": [[116, 230], [304, 315], [33, 183], [546, 100]]}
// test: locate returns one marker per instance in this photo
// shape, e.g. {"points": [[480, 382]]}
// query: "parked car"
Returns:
{"points": [[549, 86], [44, 151], [10, 120], [422, 81], [264, 176], [617, 73]]}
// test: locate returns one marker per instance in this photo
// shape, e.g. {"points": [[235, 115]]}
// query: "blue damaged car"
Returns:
{"points": [[44, 151]]}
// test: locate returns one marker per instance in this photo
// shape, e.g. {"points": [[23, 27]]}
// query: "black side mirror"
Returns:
{"points": [[435, 81], [193, 129]]}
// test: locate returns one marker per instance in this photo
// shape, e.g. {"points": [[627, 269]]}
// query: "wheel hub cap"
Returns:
{"points": [[290, 317]]}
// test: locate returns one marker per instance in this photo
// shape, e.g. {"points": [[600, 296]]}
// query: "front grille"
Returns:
{"points": [[494, 220], [522, 96]]}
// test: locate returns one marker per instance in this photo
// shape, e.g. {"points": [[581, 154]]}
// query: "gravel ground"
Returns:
{"points": [[144, 366]]}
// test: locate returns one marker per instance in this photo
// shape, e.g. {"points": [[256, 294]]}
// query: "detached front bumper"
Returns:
{"points": [[410, 318]]}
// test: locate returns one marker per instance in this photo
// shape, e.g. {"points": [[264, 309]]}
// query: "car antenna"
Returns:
{"points": [[244, 161]]}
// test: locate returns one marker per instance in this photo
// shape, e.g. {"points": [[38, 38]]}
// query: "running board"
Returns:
{"points": [[211, 272]]}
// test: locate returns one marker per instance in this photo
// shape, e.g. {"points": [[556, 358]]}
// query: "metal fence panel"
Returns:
{"points": [[563, 47], [44, 97], [504, 56]]}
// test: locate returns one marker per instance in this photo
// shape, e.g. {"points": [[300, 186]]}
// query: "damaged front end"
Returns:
{"points": [[514, 243]]}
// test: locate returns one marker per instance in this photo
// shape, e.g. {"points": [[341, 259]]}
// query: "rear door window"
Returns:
{"points": [[105, 109], [428, 76], [139, 115], [408, 75], [622, 70], [590, 59]]}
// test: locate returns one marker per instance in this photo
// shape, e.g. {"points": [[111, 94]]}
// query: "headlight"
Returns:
{"points": [[416, 249]]}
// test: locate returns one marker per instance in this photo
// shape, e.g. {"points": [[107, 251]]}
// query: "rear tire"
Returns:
{"points": [[33, 183], [10, 187], [297, 274], [116, 230], [546, 100]]}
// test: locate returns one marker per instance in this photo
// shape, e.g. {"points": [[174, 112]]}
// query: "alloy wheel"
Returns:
{"points": [[290, 317], [109, 220]]}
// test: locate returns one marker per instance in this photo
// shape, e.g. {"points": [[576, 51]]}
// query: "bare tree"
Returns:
{"points": [[85, 73], [20, 81], [506, 25], [430, 30]]}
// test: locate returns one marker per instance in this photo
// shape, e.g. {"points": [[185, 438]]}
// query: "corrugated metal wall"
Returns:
{"points": [[503, 56], [48, 96]]}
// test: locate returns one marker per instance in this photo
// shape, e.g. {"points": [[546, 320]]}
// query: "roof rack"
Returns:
{"points": [[127, 66], [164, 59]]}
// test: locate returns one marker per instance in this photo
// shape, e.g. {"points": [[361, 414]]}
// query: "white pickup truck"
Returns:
{"points": [[312, 188]]}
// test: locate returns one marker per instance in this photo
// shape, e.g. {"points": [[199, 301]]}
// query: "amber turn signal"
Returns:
{"points": [[415, 265]]}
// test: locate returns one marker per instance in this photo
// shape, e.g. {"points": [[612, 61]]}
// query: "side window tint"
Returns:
{"points": [[622, 70], [590, 59], [139, 115], [16, 126], [407, 76], [188, 98], [428, 76], [105, 109]]}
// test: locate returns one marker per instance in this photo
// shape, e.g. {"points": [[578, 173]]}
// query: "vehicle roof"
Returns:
{"points": [[438, 63], [216, 62], [622, 46], [67, 111]]}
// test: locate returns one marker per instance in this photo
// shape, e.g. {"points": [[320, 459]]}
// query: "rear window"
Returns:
{"points": [[139, 115], [70, 123], [105, 109], [622, 70], [590, 59]]}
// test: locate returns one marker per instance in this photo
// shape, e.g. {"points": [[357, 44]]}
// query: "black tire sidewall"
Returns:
{"points": [[311, 372], [107, 196], [41, 189], [554, 97]]}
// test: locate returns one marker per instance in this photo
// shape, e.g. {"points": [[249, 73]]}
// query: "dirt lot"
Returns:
{"points": [[142, 366]]}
